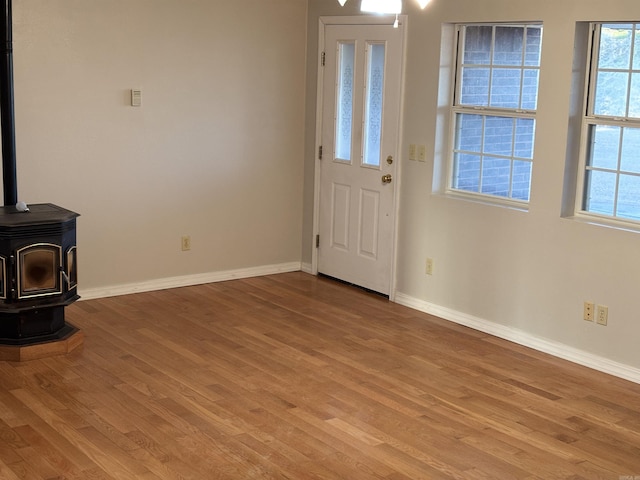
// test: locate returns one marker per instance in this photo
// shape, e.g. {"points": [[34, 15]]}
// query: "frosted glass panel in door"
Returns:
{"points": [[373, 106], [344, 107]]}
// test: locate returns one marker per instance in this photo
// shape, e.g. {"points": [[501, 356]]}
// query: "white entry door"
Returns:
{"points": [[362, 77]]}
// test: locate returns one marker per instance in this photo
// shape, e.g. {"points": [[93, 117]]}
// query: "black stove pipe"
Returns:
{"points": [[7, 113]]}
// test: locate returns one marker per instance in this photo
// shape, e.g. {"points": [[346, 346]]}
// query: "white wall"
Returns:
{"points": [[215, 151], [529, 271]]}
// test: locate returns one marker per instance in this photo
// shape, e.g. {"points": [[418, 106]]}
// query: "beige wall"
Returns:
{"points": [[526, 272], [215, 151], [223, 150]]}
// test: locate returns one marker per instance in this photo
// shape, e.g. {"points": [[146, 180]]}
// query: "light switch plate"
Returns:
{"points": [[136, 98]]}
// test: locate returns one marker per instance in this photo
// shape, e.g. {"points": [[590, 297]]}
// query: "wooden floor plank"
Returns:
{"points": [[296, 377]]}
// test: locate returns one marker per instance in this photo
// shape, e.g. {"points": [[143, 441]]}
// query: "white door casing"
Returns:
{"points": [[359, 106]]}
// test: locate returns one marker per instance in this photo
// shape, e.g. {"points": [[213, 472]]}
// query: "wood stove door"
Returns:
{"points": [[39, 270]]}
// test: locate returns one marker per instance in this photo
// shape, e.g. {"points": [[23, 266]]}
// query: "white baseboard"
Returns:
{"points": [[307, 268], [523, 338], [186, 280]]}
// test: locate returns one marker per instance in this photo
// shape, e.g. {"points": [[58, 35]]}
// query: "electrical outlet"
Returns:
{"points": [[602, 315], [186, 243], [589, 310], [429, 266]]}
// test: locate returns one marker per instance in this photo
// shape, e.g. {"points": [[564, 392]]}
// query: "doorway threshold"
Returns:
{"points": [[344, 282]]}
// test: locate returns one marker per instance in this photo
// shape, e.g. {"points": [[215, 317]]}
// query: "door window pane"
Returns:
{"points": [[344, 107], [373, 107]]}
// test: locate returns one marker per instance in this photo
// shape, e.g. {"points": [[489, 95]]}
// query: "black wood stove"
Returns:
{"points": [[38, 264], [38, 273]]}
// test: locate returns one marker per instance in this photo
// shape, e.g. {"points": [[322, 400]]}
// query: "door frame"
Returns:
{"points": [[358, 20]]}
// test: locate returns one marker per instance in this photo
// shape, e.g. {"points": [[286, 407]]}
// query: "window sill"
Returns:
{"points": [[606, 222], [489, 200]]}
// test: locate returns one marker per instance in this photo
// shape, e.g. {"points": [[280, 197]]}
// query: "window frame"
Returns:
{"points": [[589, 121], [456, 109]]}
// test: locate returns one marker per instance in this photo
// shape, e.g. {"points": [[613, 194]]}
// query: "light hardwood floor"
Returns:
{"points": [[296, 377]]}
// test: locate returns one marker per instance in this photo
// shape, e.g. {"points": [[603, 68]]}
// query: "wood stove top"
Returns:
{"points": [[40, 214]]}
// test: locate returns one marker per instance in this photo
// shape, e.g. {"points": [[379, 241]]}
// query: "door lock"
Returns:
{"points": [[389, 159], [386, 178]]}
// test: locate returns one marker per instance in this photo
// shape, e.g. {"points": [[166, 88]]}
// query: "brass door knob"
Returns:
{"points": [[386, 178]]}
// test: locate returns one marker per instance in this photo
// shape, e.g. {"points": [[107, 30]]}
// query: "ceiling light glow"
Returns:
{"points": [[381, 6]]}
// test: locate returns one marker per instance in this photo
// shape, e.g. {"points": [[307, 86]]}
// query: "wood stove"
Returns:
{"points": [[38, 253], [38, 273]]}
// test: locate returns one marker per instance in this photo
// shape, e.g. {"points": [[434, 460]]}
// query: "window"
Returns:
{"points": [[610, 176], [494, 108]]}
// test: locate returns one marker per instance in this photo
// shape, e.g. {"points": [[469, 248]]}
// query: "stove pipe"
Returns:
{"points": [[7, 113]]}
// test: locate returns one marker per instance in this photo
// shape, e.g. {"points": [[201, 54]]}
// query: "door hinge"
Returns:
{"points": [[318, 241], [320, 152], [322, 59]]}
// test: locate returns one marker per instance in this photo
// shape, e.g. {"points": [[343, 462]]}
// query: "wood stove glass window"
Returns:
{"points": [[39, 270], [72, 268], [3, 278]]}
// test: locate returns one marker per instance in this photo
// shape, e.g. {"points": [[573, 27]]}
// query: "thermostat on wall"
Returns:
{"points": [[136, 98]]}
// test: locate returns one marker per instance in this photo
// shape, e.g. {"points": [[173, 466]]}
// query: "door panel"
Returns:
{"points": [[360, 118], [340, 217], [369, 215]]}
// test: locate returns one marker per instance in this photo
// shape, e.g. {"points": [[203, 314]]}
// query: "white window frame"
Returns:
{"points": [[589, 120], [487, 111]]}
